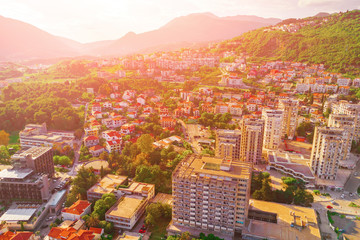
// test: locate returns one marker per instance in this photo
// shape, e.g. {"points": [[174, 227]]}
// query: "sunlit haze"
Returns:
{"points": [[94, 20]]}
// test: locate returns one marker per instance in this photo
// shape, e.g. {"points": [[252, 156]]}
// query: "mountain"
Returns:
{"points": [[194, 28], [21, 41], [333, 40]]}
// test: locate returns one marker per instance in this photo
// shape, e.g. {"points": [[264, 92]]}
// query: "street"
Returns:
{"points": [[353, 182]]}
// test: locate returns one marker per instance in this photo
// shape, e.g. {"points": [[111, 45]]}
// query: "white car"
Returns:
{"points": [[342, 195]]}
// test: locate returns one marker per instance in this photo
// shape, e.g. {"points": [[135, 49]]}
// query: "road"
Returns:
{"points": [[73, 170], [353, 182]]}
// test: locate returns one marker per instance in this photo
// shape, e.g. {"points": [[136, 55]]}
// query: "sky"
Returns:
{"points": [[94, 20]]}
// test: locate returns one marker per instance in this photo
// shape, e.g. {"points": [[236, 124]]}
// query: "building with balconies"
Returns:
{"points": [[210, 194], [327, 151], [272, 129], [290, 116], [228, 144]]}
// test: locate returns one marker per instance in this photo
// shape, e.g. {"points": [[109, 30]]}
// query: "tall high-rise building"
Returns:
{"points": [[228, 144], [344, 107], [347, 123], [290, 117], [327, 151], [211, 194], [273, 128], [251, 140], [39, 159]]}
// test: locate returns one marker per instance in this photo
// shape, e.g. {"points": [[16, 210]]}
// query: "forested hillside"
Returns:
{"points": [[333, 40], [37, 103]]}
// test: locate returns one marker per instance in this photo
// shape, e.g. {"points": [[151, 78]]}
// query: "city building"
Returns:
{"points": [[272, 129], [18, 236], [228, 144], [290, 116], [210, 194], [346, 122], [269, 220], [38, 135], [23, 184], [327, 151], [39, 159], [252, 134], [126, 211], [120, 186], [344, 107], [76, 211]]}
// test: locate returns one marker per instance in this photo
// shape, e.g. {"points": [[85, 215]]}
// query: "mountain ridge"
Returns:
{"points": [[193, 28]]}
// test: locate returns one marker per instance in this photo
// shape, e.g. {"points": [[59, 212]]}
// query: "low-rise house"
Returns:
{"points": [[8, 235], [132, 114], [113, 146], [221, 108], [127, 128], [344, 90], [96, 107], [91, 132], [76, 211], [167, 122], [96, 150], [111, 135], [91, 141], [141, 99]]}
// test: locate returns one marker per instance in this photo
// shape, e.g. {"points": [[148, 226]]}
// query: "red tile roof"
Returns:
{"points": [[77, 208]]}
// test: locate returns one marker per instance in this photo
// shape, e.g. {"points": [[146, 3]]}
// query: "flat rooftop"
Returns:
{"points": [[126, 207], [108, 184], [163, 198], [18, 214], [212, 166], [35, 152], [282, 229], [56, 197], [97, 164], [15, 173]]}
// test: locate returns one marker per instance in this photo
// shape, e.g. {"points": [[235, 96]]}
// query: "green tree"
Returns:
{"points": [[145, 143], [4, 138]]}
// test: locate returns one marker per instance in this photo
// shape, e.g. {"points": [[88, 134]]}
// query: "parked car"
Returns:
{"points": [[342, 195], [44, 226], [142, 229], [329, 207]]}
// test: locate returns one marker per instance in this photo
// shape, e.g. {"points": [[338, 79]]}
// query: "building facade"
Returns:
{"points": [[39, 159], [327, 151], [23, 184], [273, 128], [228, 144], [211, 194], [290, 116], [252, 138], [346, 122]]}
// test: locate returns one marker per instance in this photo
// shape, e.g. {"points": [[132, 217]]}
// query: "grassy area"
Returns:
{"points": [[14, 137], [352, 204], [159, 231]]}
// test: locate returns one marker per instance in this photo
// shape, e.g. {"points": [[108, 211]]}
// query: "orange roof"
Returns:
{"points": [[82, 235], [78, 207], [96, 230], [61, 233], [22, 236], [7, 235]]}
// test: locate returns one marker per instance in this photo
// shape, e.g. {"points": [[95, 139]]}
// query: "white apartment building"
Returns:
{"points": [[273, 128], [290, 116], [327, 151]]}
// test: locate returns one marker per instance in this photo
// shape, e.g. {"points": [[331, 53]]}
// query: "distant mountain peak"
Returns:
{"points": [[322, 14]]}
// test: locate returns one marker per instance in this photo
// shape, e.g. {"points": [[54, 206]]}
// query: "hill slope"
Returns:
{"points": [[333, 40], [20, 41], [181, 31]]}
